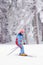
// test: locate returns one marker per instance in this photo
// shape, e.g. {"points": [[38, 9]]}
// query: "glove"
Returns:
{"points": [[24, 43]]}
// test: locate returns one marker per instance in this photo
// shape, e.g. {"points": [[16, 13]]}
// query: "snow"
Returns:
{"points": [[34, 51]]}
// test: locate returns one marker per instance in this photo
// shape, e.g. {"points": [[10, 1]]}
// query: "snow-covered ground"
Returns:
{"points": [[34, 51]]}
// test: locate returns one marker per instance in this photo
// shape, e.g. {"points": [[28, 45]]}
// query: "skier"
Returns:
{"points": [[19, 40]]}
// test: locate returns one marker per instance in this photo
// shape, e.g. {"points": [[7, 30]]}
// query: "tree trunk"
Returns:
{"points": [[35, 25]]}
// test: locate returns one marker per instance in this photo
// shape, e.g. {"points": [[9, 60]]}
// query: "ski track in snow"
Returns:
{"points": [[34, 51]]}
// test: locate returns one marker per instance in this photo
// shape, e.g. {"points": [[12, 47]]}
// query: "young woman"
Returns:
{"points": [[19, 40]]}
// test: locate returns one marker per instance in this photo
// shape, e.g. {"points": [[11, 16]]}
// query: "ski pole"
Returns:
{"points": [[14, 49]]}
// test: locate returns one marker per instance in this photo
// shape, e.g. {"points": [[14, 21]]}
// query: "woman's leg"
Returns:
{"points": [[22, 50]]}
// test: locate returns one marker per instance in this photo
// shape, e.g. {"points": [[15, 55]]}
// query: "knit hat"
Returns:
{"points": [[21, 31]]}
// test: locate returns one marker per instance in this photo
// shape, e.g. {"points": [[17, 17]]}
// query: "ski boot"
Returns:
{"points": [[23, 54]]}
